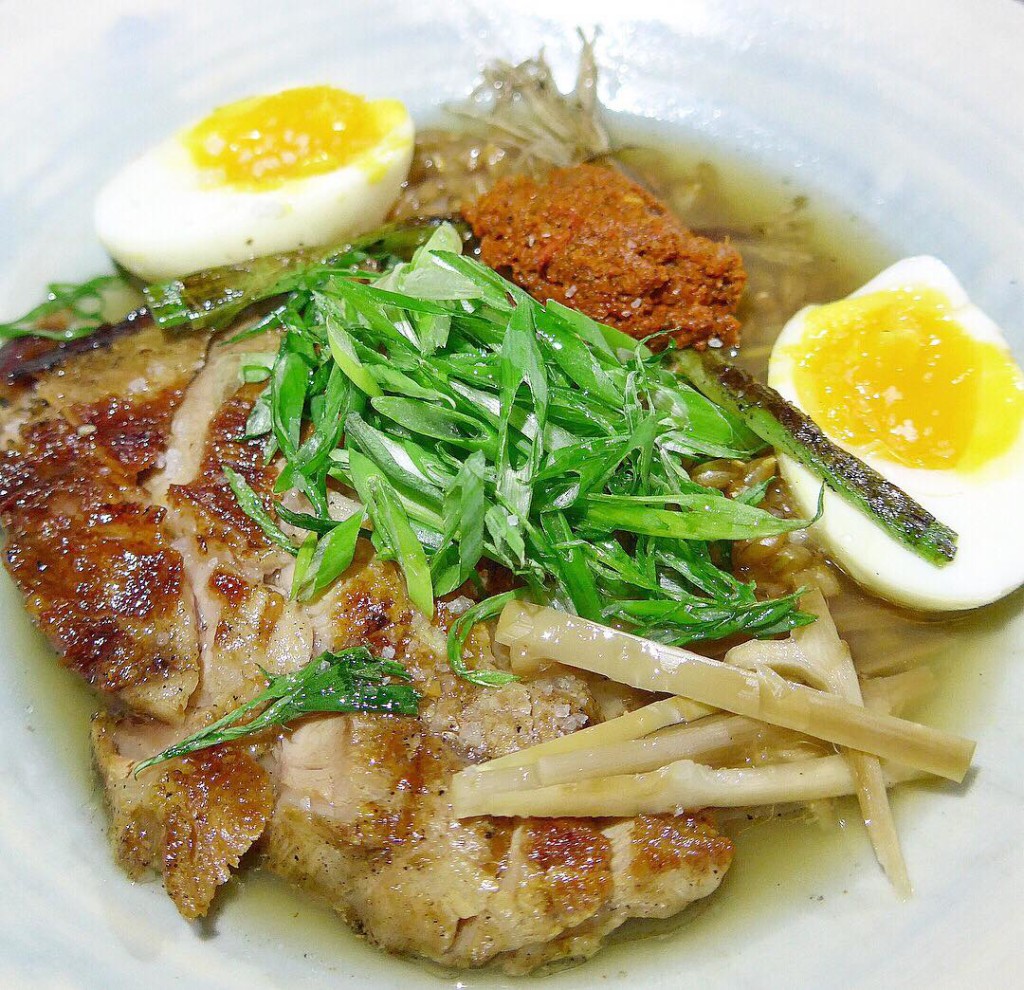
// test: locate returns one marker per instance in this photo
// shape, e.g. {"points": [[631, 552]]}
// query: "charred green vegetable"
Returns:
{"points": [[214, 297], [80, 305], [788, 429]]}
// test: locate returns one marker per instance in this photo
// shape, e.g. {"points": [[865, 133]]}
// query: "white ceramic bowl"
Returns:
{"points": [[909, 114]]}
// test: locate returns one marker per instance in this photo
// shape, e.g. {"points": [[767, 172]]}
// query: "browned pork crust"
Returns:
{"points": [[213, 514], [85, 545], [136, 560], [192, 819]]}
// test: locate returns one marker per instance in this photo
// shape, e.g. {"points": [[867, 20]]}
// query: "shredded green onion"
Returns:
{"points": [[476, 423], [80, 305]]}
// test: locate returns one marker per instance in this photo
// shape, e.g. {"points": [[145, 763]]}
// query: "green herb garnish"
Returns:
{"points": [[253, 507], [489, 608], [349, 681], [81, 304], [475, 422]]}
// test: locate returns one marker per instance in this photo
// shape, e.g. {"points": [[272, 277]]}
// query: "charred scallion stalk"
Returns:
{"points": [[789, 430], [78, 306], [212, 298]]}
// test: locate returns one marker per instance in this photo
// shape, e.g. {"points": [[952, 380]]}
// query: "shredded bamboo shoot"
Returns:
{"points": [[695, 741], [633, 725], [892, 694], [820, 641], [656, 667], [582, 755], [692, 741], [679, 785]]}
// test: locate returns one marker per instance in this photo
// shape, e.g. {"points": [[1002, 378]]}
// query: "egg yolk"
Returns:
{"points": [[893, 373], [264, 141]]}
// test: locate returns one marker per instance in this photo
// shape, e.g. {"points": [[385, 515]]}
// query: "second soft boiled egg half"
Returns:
{"points": [[303, 167], [911, 377]]}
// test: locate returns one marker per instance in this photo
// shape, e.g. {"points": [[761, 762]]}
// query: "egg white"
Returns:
{"points": [[982, 506], [161, 216]]}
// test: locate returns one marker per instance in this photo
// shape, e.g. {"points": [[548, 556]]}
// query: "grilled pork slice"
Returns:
{"points": [[135, 559], [84, 543], [192, 819], [247, 625], [363, 818]]}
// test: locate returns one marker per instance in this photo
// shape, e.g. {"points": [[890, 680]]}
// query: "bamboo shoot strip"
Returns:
{"points": [[689, 741], [893, 693], [581, 756], [678, 786], [654, 666], [825, 650]]}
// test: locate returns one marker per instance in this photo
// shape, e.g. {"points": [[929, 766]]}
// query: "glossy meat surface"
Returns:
{"points": [[84, 542], [134, 559]]}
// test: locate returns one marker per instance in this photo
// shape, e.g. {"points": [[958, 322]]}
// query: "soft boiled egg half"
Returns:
{"points": [[911, 377], [303, 167]]}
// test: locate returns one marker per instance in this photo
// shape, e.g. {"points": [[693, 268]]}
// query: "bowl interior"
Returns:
{"points": [[906, 118]]}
